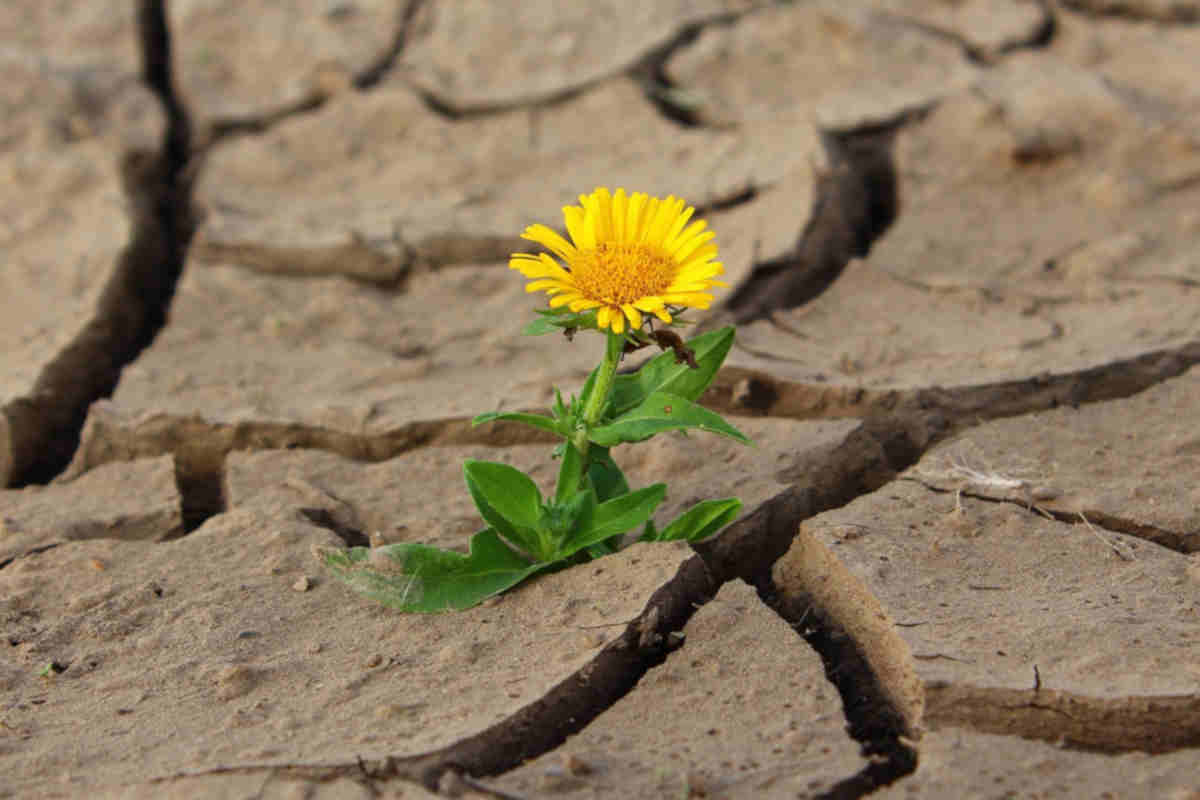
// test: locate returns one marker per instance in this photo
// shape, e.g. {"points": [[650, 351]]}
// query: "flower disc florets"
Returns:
{"points": [[627, 255]]}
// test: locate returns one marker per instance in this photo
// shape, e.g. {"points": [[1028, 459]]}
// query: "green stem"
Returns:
{"points": [[570, 477], [604, 381]]}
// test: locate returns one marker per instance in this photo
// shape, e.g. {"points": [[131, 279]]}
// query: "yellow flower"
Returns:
{"points": [[627, 255]]}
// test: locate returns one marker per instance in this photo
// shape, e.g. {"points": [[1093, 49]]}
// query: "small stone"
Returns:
{"points": [[374, 661], [451, 784], [236, 680], [574, 765], [302, 584]]}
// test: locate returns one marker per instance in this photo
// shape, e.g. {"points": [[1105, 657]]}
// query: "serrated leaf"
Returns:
{"points": [[662, 411], [662, 374], [508, 501], [534, 420], [419, 578], [697, 523], [615, 517]]}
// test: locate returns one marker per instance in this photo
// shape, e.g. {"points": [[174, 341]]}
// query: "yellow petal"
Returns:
{"points": [[583, 235], [604, 316], [600, 210], [551, 239], [651, 303], [691, 239], [551, 285], [635, 228], [691, 299], [618, 322], [620, 211], [635, 316], [673, 235], [583, 304], [699, 270], [664, 214], [540, 266]]}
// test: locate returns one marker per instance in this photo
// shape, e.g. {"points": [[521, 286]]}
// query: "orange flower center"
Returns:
{"points": [[625, 272]]}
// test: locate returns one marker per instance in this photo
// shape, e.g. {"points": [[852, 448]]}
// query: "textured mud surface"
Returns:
{"points": [[255, 286]]}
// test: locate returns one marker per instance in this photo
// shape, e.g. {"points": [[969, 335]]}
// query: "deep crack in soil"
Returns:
{"points": [[40, 432]]}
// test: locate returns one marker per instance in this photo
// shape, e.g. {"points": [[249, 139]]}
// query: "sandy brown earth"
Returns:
{"points": [[254, 288]]}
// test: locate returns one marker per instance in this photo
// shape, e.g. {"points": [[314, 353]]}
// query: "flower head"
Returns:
{"points": [[627, 255]]}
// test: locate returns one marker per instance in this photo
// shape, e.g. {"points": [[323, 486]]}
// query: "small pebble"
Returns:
{"points": [[574, 765], [451, 784], [302, 584], [374, 661]]}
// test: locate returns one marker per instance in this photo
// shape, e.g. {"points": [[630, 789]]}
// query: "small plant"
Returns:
{"points": [[632, 260]]}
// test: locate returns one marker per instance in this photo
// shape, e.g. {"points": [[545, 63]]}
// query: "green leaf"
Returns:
{"points": [[662, 411], [557, 319], [536, 420], [569, 472], [415, 577], [662, 374], [561, 519], [540, 327], [607, 478], [588, 386], [615, 517], [697, 523], [560, 408], [508, 501]]}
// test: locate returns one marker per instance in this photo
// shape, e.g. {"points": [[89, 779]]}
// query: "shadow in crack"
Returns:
{"points": [[856, 201], [39, 432]]}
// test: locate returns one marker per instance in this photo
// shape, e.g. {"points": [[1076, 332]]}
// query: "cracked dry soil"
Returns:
{"points": [[254, 288]]}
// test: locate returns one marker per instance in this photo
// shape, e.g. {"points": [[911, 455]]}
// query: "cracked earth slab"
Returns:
{"points": [[1122, 465], [985, 30], [129, 500], [1012, 622], [273, 788], [962, 763], [1159, 10], [1047, 226], [477, 56], [222, 610], [742, 709], [483, 179], [61, 205], [236, 676], [843, 64]]}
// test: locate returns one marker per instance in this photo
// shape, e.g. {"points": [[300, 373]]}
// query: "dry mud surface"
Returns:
{"points": [[255, 286]]}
